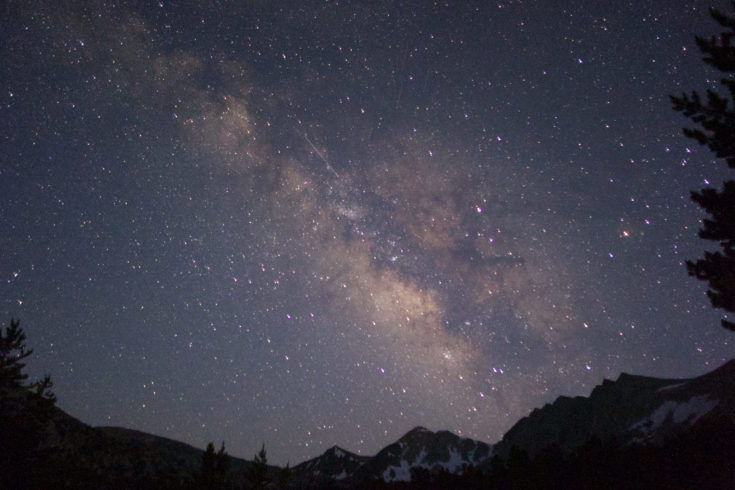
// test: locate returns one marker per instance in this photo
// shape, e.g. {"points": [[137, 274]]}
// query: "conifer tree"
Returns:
{"points": [[222, 463], [285, 476], [715, 120], [207, 470], [25, 409], [12, 353], [258, 474], [214, 472]]}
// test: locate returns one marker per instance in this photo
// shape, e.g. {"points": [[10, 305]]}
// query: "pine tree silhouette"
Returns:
{"points": [[716, 129], [258, 474], [12, 353], [214, 473], [25, 410]]}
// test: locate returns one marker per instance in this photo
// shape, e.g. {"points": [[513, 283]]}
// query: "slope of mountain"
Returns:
{"points": [[687, 424], [422, 449], [170, 454], [632, 410], [335, 464], [48, 447]]}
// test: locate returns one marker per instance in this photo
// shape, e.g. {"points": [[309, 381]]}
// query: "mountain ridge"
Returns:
{"points": [[613, 409], [633, 411]]}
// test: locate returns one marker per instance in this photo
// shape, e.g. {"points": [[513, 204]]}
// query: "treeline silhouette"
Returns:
{"points": [[43, 447]]}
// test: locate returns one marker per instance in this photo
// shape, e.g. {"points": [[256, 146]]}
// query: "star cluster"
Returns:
{"points": [[319, 223]]}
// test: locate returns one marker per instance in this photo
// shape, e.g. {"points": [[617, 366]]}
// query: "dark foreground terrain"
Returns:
{"points": [[636, 432]]}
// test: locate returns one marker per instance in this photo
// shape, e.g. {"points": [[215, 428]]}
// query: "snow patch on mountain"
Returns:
{"points": [[341, 476], [671, 387], [454, 464], [455, 461], [679, 412], [398, 473]]}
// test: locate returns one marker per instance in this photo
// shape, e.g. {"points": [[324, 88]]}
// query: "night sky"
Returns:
{"points": [[313, 223]]}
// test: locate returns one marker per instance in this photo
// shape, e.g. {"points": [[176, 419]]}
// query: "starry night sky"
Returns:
{"points": [[313, 223]]}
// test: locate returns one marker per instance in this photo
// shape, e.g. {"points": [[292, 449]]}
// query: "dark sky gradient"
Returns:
{"points": [[314, 223]]}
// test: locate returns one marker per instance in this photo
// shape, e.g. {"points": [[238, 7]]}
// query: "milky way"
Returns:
{"points": [[319, 223]]}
